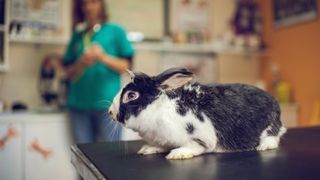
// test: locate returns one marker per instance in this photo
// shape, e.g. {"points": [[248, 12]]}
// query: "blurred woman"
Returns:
{"points": [[97, 54]]}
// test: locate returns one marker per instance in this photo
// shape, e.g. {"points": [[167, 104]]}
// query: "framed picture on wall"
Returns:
{"points": [[39, 21], [290, 12]]}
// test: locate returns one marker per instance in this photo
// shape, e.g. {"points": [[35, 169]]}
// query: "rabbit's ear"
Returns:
{"points": [[131, 74], [173, 78]]}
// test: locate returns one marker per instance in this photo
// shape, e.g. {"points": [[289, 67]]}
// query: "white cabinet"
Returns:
{"points": [[11, 157], [41, 150], [46, 147]]}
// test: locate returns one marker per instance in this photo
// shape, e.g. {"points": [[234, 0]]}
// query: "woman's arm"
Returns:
{"points": [[73, 71], [118, 64]]}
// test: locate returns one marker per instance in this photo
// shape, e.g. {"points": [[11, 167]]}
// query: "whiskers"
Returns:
{"points": [[112, 129], [114, 132], [106, 116], [105, 103]]}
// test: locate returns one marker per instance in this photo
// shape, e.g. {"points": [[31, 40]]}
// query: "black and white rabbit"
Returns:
{"points": [[172, 113]]}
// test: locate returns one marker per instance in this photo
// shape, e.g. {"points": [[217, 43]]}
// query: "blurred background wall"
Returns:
{"points": [[295, 49], [20, 82]]}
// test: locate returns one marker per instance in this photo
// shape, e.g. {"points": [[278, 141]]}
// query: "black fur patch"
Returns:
{"points": [[188, 100], [148, 91], [275, 127], [190, 128], [239, 113]]}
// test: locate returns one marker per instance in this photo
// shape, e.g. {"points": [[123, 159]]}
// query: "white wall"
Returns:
{"points": [[21, 81], [222, 11]]}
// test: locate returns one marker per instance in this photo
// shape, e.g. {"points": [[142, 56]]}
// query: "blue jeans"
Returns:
{"points": [[93, 126]]}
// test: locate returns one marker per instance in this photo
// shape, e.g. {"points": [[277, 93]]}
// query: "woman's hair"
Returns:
{"points": [[79, 16]]}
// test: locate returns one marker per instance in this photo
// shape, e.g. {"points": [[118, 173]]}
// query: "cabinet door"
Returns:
{"points": [[11, 157], [48, 151]]}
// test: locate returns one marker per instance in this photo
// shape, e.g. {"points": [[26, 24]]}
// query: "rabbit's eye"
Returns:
{"points": [[130, 96]]}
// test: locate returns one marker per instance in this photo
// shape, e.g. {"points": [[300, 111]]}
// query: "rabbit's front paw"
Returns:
{"points": [[180, 153], [147, 149]]}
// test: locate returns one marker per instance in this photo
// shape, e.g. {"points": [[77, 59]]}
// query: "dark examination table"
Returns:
{"points": [[297, 158]]}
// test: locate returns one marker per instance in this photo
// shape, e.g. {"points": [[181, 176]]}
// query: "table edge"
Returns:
{"points": [[84, 167]]}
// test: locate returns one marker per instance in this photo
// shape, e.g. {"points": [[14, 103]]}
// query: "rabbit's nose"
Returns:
{"points": [[111, 115]]}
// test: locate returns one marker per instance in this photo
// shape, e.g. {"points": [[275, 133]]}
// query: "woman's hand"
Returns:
{"points": [[87, 59], [74, 71], [95, 52], [92, 54]]}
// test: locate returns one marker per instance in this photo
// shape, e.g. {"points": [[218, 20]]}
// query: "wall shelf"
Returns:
{"points": [[48, 41], [205, 48], [176, 48]]}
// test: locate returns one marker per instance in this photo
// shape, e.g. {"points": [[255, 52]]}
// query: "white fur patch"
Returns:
{"points": [[147, 149], [115, 106], [160, 125], [191, 87], [188, 87], [198, 91], [269, 142]]}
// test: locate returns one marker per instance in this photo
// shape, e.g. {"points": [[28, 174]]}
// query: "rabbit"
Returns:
{"points": [[173, 113]]}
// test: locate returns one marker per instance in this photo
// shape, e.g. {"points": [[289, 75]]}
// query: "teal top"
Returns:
{"points": [[98, 84]]}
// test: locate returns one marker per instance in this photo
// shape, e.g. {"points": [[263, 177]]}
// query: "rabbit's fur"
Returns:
{"points": [[171, 113]]}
